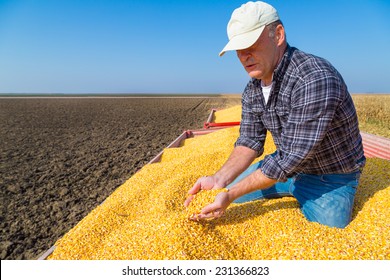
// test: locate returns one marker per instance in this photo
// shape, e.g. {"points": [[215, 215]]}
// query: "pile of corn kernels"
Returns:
{"points": [[145, 217]]}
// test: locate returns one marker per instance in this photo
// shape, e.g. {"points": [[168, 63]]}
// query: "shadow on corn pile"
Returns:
{"points": [[241, 213]]}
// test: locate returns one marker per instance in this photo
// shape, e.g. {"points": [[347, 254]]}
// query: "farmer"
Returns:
{"points": [[304, 103]]}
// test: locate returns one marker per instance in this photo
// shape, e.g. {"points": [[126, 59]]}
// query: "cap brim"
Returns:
{"points": [[242, 41]]}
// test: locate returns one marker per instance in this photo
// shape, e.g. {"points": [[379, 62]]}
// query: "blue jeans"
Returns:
{"points": [[326, 199]]}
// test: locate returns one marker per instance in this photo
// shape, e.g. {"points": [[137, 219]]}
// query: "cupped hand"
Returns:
{"points": [[215, 209], [203, 183]]}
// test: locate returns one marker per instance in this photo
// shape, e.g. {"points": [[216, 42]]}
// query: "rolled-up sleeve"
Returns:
{"points": [[313, 106]]}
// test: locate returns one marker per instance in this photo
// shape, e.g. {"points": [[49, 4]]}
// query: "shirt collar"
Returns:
{"points": [[283, 64]]}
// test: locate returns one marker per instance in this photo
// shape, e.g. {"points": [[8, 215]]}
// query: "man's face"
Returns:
{"points": [[260, 59]]}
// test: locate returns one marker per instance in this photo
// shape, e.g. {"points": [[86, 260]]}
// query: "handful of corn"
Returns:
{"points": [[200, 200], [145, 217]]}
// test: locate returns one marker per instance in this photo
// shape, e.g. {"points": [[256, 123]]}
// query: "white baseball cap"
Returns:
{"points": [[247, 23]]}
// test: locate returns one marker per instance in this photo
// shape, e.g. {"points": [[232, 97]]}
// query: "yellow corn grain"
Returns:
{"points": [[232, 114], [145, 217]]}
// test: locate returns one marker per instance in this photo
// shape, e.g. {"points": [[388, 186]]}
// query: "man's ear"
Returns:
{"points": [[280, 36]]}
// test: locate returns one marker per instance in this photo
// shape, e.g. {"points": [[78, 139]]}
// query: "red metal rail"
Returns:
{"points": [[376, 146], [224, 124]]}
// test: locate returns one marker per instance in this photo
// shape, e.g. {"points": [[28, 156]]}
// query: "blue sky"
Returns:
{"points": [[157, 46]]}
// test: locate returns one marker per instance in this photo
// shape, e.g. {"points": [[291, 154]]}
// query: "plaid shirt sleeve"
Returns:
{"points": [[313, 105], [252, 130]]}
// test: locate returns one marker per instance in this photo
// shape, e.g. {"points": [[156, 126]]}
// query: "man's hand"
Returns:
{"points": [[204, 183], [238, 161], [254, 181], [215, 209]]}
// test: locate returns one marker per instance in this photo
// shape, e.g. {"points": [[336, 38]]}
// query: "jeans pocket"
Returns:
{"points": [[349, 179]]}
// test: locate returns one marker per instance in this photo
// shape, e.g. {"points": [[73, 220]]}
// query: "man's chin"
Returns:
{"points": [[255, 74]]}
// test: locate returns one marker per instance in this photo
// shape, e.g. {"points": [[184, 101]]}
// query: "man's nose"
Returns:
{"points": [[243, 55]]}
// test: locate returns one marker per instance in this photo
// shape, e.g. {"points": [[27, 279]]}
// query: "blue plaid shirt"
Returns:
{"points": [[310, 115]]}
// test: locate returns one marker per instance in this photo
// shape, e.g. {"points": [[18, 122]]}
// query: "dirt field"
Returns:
{"points": [[61, 157]]}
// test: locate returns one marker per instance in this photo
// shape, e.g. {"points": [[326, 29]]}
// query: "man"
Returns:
{"points": [[303, 101]]}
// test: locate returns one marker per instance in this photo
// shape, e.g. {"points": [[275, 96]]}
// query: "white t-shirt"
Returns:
{"points": [[266, 91]]}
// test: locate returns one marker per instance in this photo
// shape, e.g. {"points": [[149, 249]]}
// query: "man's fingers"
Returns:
{"points": [[188, 200], [206, 216], [204, 183], [209, 208], [218, 213], [196, 188], [211, 211], [199, 217]]}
